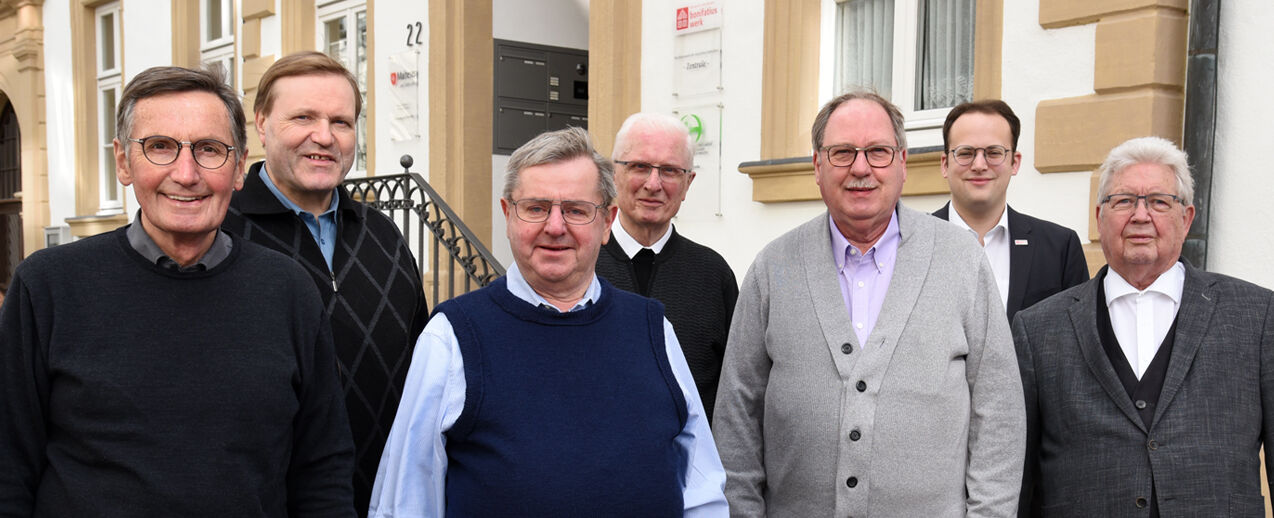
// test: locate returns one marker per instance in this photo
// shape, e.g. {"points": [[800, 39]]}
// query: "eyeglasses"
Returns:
{"points": [[161, 150], [574, 212], [1156, 202], [642, 170], [995, 155], [844, 155]]}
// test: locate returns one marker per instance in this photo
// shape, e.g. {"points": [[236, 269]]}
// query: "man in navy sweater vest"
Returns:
{"points": [[550, 392]]}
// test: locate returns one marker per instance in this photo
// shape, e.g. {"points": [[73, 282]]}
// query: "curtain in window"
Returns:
{"points": [[944, 72], [865, 52]]}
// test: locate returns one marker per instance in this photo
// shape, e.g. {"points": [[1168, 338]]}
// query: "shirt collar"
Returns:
{"points": [[631, 246], [148, 248], [519, 288], [1170, 283], [883, 252], [959, 221], [269, 184]]}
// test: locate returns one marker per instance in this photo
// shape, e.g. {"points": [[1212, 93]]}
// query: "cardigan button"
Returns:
{"points": [[861, 386], [851, 481], [855, 435], [846, 348], [1141, 405]]}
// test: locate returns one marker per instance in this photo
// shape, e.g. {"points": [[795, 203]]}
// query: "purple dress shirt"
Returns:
{"points": [[864, 277]]}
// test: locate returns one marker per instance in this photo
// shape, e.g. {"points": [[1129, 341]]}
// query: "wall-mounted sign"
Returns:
{"points": [[404, 89], [703, 200], [698, 17]]}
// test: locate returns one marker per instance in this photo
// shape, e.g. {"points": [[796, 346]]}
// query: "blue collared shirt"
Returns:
{"points": [[322, 228], [411, 480]]}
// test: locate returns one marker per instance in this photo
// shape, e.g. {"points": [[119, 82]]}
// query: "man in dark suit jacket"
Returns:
{"points": [[1147, 387], [1032, 258]]}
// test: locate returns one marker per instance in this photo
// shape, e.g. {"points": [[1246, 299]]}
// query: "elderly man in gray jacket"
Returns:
{"points": [[869, 369]]}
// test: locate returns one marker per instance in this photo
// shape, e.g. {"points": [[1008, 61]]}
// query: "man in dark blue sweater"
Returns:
{"points": [[168, 368], [550, 392]]}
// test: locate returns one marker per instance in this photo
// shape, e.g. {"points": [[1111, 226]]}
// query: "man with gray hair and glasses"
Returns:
{"points": [[549, 392], [168, 368], [654, 155], [1148, 388], [870, 370]]}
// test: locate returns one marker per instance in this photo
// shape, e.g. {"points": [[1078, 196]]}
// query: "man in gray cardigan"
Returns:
{"points": [[869, 368]]}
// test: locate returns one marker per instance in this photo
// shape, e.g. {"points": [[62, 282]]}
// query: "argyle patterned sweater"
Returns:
{"points": [[373, 295]]}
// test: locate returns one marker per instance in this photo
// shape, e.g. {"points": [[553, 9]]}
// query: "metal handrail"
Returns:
{"points": [[415, 206]]}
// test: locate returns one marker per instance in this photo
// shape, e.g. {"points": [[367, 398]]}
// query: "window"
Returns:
{"points": [[108, 86], [917, 53], [216, 36], [342, 34]]}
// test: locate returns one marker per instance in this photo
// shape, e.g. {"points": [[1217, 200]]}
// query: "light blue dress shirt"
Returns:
{"points": [[864, 277], [411, 480], [322, 227]]}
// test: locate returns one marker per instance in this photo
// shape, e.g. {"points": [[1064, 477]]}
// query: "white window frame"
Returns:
{"points": [[920, 124], [220, 50], [227, 29], [348, 9], [108, 79]]}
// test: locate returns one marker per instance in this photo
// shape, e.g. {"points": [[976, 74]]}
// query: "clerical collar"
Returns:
{"points": [[145, 245], [630, 244]]}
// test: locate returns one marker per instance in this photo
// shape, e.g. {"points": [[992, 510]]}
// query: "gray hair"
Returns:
{"points": [[1147, 150], [659, 122], [560, 146], [825, 115], [168, 80]]}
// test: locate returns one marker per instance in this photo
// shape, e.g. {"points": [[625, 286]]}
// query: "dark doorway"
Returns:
{"points": [[10, 205]]}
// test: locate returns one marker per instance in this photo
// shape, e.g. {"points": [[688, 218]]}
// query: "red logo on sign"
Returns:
{"points": [[683, 18], [393, 78]]}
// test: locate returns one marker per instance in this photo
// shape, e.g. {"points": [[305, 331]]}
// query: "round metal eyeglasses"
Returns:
{"points": [[162, 150], [574, 212], [843, 155], [994, 155]]}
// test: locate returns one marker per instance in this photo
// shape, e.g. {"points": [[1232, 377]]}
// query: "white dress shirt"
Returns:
{"points": [[630, 245], [1141, 318], [411, 480], [996, 246]]}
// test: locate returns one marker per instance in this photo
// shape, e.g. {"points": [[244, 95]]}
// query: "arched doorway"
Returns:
{"points": [[10, 186]]}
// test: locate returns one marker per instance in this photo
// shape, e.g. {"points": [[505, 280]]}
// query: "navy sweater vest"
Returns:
{"points": [[566, 414]]}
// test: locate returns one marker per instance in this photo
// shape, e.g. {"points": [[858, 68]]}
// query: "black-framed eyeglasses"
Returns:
{"points": [[667, 173], [994, 155], [843, 155], [163, 150], [574, 212], [1155, 202]]}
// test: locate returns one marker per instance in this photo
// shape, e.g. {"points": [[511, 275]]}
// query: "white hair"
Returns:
{"points": [[1147, 150], [656, 121]]}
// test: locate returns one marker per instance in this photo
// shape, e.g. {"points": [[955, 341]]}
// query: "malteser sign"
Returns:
{"points": [[698, 17]]}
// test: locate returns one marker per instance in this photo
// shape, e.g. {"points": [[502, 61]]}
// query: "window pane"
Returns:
{"points": [[212, 19], [110, 187], [360, 71], [865, 50], [944, 72], [334, 35], [106, 39], [108, 115]]}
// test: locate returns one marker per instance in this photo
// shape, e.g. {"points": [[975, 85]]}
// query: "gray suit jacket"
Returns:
{"points": [[811, 423], [1089, 453]]}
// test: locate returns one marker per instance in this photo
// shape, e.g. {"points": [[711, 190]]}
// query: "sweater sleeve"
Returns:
{"points": [[24, 389], [321, 470]]}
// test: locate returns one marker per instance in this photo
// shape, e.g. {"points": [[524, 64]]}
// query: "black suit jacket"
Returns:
{"points": [[1044, 258]]}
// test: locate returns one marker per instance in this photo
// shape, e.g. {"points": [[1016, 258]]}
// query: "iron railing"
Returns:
{"points": [[459, 262]]}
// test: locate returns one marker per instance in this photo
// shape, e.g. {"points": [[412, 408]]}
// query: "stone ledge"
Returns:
{"points": [[1063, 13], [1076, 133], [84, 226]]}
